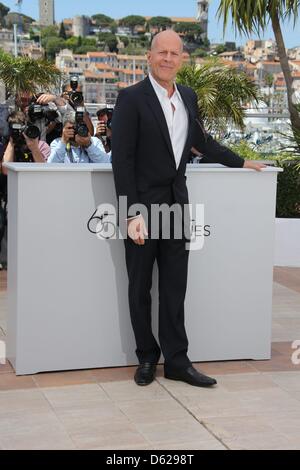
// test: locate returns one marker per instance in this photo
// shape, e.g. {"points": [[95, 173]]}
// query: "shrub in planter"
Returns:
{"points": [[288, 186], [288, 189]]}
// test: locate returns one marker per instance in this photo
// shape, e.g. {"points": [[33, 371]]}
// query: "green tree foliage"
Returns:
{"points": [[85, 49], [62, 31], [221, 48], [125, 41], [102, 20], [34, 35], [49, 31], [23, 74], [253, 16], [160, 22], [53, 45], [108, 40], [288, 189], [80, 45], [72, 43], [112, 44], [199, 53], [132, 49], [192, 31], [132, 21]]}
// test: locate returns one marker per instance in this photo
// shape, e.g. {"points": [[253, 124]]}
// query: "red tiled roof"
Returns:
{"points": [[98, 76], [131, 57], [103, 66], [97, 54], [131, 72]]}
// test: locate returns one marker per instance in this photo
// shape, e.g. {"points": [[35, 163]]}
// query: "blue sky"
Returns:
{"points": [[120, 8]]}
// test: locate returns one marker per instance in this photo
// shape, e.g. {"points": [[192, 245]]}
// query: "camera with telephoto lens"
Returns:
{"points": [[80, 127], [17, 130], [22, 153], [37, 112], [76, 97]]}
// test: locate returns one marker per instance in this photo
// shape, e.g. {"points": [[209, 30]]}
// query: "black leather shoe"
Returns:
{"points": [[190, 376], [145, 373]]}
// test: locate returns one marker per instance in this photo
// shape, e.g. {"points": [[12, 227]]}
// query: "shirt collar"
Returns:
{"points": [[161, 91]]}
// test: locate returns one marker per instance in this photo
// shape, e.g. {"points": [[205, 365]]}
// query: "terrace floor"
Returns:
{"points": [[256, 404]]}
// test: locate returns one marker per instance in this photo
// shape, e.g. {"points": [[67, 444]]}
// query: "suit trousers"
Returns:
{"points": [[172, 260]]}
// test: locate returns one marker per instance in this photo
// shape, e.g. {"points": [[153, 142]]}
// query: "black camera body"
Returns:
{"points": [[109, 113], [17, 130], [76, 97], [22, 153], [38, 112], [80, 127]]}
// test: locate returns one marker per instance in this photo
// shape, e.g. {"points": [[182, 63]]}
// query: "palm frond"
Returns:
{"points": [[222, 92], [23, 74]]}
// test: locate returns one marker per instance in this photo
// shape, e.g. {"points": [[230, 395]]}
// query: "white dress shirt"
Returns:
{"points": [[177, 119], [176, 116]]}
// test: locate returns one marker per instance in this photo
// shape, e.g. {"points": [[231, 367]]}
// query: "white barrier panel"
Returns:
{"points": [[68, 306], [2, 353], [287, 246]]}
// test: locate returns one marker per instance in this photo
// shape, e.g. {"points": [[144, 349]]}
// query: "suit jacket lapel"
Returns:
{"points": [[157, 110]]}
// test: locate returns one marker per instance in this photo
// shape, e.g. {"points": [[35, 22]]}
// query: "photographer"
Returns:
{"points": [[103, 130], [24, 143], [74, 99], [77, 145], [42, 110]]}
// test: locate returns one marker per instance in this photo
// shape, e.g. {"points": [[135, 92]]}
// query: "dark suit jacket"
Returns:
{"points": [[142, 156]]}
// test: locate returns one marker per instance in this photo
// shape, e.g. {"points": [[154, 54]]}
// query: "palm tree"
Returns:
{"points": [[25, 75], [253, 16], [222, 92]]}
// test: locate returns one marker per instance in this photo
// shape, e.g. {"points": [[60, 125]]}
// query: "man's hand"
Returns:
{"points": [[137, 230], [101, 129], [253, 165], [83, 141], [32, 144], [46, 98], [68, 133]]}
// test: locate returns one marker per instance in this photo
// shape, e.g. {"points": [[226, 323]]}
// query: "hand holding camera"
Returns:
{"points": [[83, 141], [31, 143], [77, 132], [101, 129], [46, 98], [68, 134], [39, 109], [20, 133]]}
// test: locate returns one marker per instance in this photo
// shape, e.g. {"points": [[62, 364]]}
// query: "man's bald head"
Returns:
{"points": [[169, 36], [165, 57]]}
